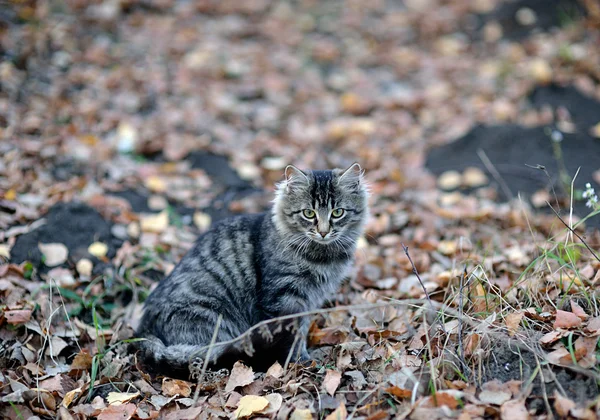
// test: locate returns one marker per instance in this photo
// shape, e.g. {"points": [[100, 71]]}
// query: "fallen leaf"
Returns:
{"points": [[339, 413], [276, 371], [512, 322], [562, 405], [275, 401], [241, 375], [172, 387], [54, 253], [578, 310], [70, 397], [155, 223], [301, 414], [398, 392], [593, 325], [84, 267], [514, 410], [98, 249], [331, 381], [250, 404], [117, 412], [18, 316], [202, 220], [494, 397], [156, 184], [82, 361], [566, 319], [121, 397], [551, 337]]}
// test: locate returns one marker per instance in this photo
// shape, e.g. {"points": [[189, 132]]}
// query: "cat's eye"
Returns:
{"points": [[337, 212], [309, 214]]}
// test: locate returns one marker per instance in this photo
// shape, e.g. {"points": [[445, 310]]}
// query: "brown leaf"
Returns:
{"points": [[172, 387], [241, 375], [82, 361], [578, 310], [398, 392], [593, 325], [276, 371], [70, 397], [551, 337], [117, 412], [512, 322], [562, 405], [514, 410], [275, 401], [339, 413], [18, 316], [331, 381], [566, 320], [118, 398]]}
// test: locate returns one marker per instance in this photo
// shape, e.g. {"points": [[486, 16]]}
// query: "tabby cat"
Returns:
{"points": [[256, 267]]}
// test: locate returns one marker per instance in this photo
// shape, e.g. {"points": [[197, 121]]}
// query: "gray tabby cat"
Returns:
{"points": [[256, 267]]}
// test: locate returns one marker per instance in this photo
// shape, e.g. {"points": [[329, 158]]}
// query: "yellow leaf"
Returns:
{"points": [[156, 184], [117, 398], [301, 414], [155, 223], [250, 404], [70, 396], [10, 195], [339, 413], [98, 249], [202, 220]]}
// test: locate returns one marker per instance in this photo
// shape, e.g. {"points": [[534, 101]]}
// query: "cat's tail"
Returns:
{"points": [[174, 360]]}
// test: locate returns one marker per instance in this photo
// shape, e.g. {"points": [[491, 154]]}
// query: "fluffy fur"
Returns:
{"points": [[256, 267]]}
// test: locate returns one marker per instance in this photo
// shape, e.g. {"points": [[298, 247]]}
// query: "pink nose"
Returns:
{"points": [[323, 234]]}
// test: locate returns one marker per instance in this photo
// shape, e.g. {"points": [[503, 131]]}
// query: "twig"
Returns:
{"points": [[492, 170], [416, 273], [460, 325], [574, 233], [207, 358]]}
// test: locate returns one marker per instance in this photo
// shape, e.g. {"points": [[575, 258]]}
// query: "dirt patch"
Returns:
{"points": [[516, 151], [73, 224]]}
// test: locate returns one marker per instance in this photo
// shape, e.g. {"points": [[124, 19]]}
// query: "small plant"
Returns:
{"points": [[592, 198]]}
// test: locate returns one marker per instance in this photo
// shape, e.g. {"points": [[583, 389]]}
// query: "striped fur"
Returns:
{"points": [[256, 267]]}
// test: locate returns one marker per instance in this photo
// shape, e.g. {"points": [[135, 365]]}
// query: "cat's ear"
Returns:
{"points": [[292, 172], [294, 177], [352, 175]]}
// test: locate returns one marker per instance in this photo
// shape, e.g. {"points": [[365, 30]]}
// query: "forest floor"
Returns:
{"points": [[129, 126]]}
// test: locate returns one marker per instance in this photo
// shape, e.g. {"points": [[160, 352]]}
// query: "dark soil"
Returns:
{"points": [[549, 14], [73, 224], [516, 152]]}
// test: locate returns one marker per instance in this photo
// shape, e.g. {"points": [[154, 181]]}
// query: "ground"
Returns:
{"points": [[130, 126]]}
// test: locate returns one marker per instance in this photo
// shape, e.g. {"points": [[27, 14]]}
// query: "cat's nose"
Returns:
{"points": [[323, 234]]}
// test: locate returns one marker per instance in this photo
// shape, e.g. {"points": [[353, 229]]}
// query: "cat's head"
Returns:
{"points": [[327, 207]]}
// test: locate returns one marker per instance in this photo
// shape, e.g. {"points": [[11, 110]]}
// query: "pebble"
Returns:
{"points": [[525, 16], [84, 267], [540, 70]]}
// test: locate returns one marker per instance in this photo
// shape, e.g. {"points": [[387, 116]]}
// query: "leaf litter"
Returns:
{"points": [[188, 112]]}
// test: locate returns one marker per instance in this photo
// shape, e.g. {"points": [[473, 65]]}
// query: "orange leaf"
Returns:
{"points": [[512, 322], [578, 310], [398, 392], [19, 316], [82, 361]]}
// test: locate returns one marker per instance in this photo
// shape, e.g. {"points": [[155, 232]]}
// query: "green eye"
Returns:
{"points": [[337, 212], [309, 214]]}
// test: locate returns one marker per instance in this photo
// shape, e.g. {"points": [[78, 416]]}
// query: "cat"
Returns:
{"points": [[252, 268]]}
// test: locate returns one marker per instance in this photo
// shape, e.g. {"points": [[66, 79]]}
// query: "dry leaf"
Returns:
{"points": [[339, 413], [514, 410], [276, 371], [82, 361], [495, 397], [331, 381], [551, 337], [54, 253], [562, 405], [156, 184], [301, 414], [250, 404], [241, 375], [84, 267], [121, 397], [578, 310], [71, 396], [18, 316], [398, 392], [512, 322], [202, 220], [117, 412], [98, 250], [275, 401], [593, 325], [155, 223], [172, 387], [566, 320]]}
